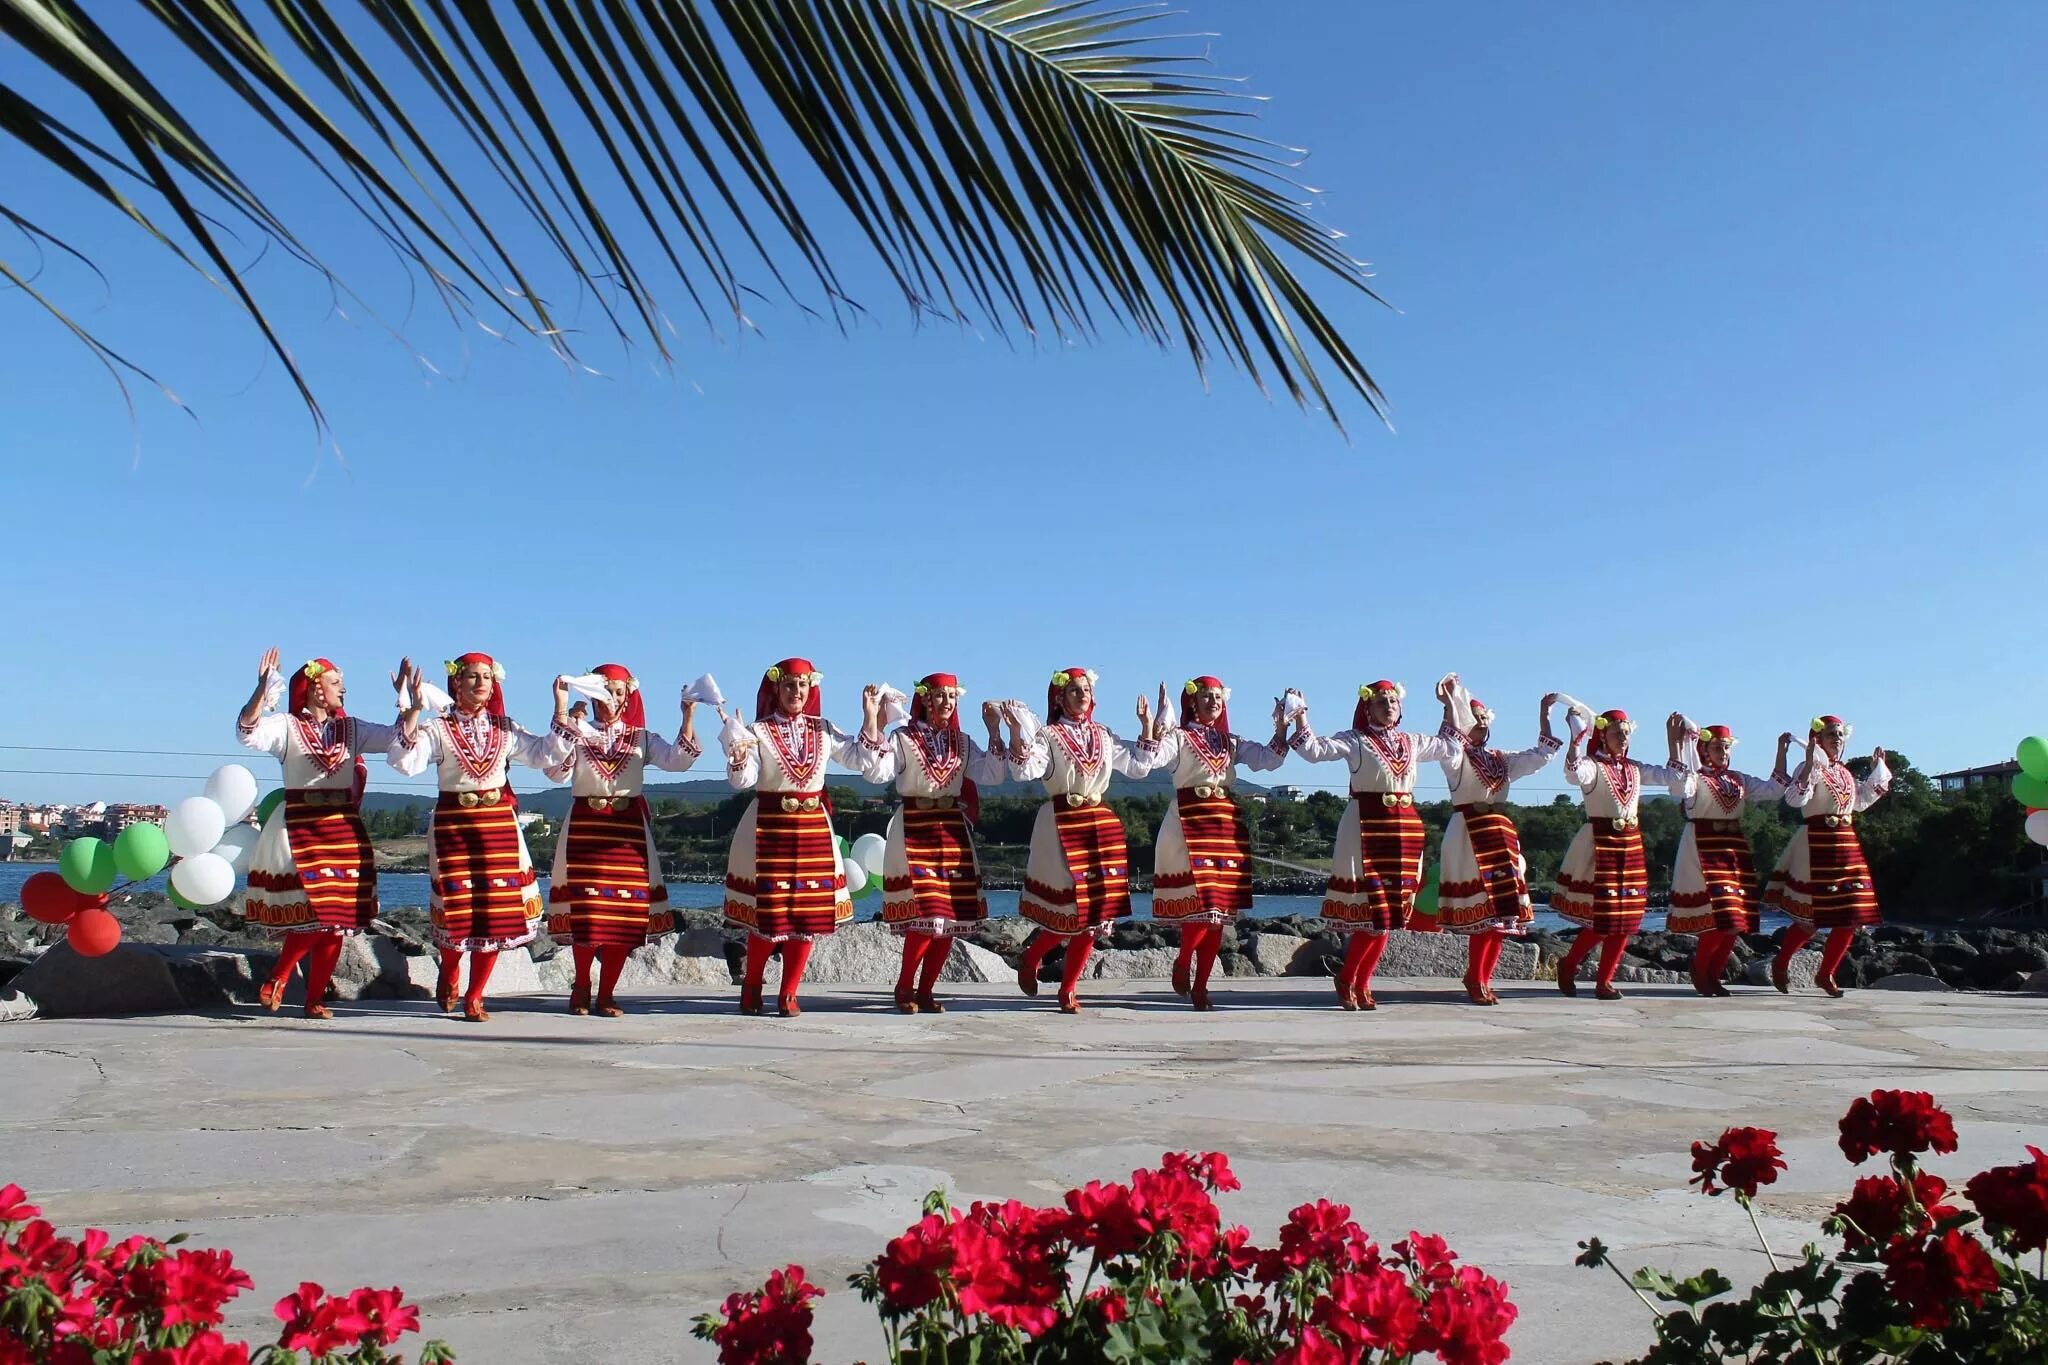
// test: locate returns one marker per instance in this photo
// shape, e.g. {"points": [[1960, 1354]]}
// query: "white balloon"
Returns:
{"points": [[204, 878], [232, 788], [856, 878], [235, 845], [2037, 826], [194, 826], [868, 851]]}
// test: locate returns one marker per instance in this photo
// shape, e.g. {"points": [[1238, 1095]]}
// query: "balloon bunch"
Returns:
{"points": [[861, 861], [2030, 785], [197, 832]]}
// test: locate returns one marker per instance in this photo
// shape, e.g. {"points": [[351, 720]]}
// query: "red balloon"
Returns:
{"points": [[47, 898], [93, 933]]}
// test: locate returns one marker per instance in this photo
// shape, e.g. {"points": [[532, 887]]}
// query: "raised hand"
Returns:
{"points": [[1144, 716], [1549, 700], [1877, 755], [991, 714], [1162, 702], [871, 706], [401, 677], [267, 665], [1785, 741]]}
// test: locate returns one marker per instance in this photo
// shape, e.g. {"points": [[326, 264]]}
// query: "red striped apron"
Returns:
{"points": [[1219, 871], [1390, 867], [1497, 849], [1614, 899], [1841, 892], [333, 867], [480, 890], [603, 898], [796, 871], [943, 882], [1729, 902], [1098, 860]]}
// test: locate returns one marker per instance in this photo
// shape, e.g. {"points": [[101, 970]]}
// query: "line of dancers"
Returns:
{"points": [[312, 878]]}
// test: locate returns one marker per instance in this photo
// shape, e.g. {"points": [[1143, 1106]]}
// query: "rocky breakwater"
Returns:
{"points": [[174, 959]]}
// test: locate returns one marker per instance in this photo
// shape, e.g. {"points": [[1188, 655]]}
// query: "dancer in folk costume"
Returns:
{"points": [[1822, 880], [1077, 881], [1713, 880], [931, 881], [1202, 860], [312, 879], [783, 882], [1603, 884], [481, 875], [1377, 866], [605, 894], [1483, 892]]}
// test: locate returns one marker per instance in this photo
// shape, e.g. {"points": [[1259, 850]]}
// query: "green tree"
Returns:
{"points": [[1031, 164]]}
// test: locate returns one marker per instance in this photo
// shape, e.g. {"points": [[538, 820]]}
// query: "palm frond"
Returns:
{"points": [[1017, 164]]}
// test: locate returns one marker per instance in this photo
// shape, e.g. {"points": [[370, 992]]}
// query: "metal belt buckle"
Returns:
{"points": [[493, 796], [813, 803], [1625, 822], [790, 805], [468, 800]]}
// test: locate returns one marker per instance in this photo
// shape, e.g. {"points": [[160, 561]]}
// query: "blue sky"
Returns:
{"points": [[1715, 367]]}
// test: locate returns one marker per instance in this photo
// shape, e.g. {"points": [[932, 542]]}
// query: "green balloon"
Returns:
{"points": [[179, 900], [2033, 757], [1426, 898], [140, 852], [2028, 790], [87, 866], [267, 805]]}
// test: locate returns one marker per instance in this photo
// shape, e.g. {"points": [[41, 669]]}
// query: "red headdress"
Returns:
{"points": [[1060, 680], [496, 705], [300, 687], [633, 713], [764, 696], [1616, 718], [1188, 690], [920, 710], [1392, 691]]}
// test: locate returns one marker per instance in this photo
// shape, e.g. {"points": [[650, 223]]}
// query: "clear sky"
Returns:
{"points": [[1717, 375]]}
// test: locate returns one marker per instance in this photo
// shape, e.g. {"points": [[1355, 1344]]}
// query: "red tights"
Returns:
{"points": [[320, 951], [1611, 946], [924, 957], [481, 960], [1361, 956], [1200, 945], [611, 960], [1710, 958], [1482, 955], [1080, 947], [796, 956], [1798, 935]]}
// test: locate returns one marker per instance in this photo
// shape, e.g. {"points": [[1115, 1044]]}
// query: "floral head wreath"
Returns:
{"points": [[313, 668], [1194, 685], [455, 666], [1720, 732], [1384, 690], [953, 689], [1615, 720], [776, 675], [1068, 677], [1821, 723]]}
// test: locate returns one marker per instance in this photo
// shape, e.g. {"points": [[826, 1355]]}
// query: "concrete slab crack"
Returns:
{"points": [[74, 1056]]}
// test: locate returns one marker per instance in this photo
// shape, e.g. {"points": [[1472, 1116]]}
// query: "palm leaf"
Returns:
{"points": [[1026, 164]]}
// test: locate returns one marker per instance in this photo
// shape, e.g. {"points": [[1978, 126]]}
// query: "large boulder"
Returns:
{"points": [[1910, 981], [1132, 964], [132, 979], [1412, 954], [1798, 974], [1284, 955], [515, 974], [693, 958], [972, 962], [863, 954]]}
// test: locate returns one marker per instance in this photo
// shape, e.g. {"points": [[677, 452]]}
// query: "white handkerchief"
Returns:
{"points": [[1461, 704], [1292, 704], [591, 685], [733, 732], [1581, 718], [895, 707], [705, 689], [273, 689], [432, 698]]}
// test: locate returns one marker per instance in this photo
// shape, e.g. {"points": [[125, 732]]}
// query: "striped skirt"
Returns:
{"points": [[1079, 876], [1202, 866], [1485, 880], [483, 887], [606, 890], [1377, 868], [1823, 879], [930, 878], [782, 878], [1713, 882], [312, 869], [1604, 882]]}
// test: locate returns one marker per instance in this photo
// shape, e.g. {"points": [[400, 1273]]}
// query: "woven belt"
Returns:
{"points": [[1624, 822], [1076, 799], [792, 804], [319, 797], [935, 802], [1393, 800], [1484, 807], [1206, 791], [489, 797], [1718, 826], [608, 803], [1836, 821]]}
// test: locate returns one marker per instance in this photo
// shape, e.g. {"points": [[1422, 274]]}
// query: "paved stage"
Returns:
{"points": [[550, 1188]]}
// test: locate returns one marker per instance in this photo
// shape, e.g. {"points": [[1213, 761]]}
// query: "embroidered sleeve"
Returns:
{"points": [[1440, 747], [673, 758], [1761, 788], [265, 736], [1319, 749], [1872, 788], [411, 755], [1258, 757]]}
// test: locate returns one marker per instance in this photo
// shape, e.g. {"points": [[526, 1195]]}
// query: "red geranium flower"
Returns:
{"points": [[1109, 1305], [1373, 1308], [387, 1315], [911, 1268], [1900, 1122], [1927, 1279], [317, 1323], [1211, 1170], [1742, 1159], [1430, 1258], [207, 1348], [1466, 1319], [1320, 1232], [194, 1284], [14, 1205], [1313, 1349], [1108, 1218], [2014, 1199], [772, 1325], [1877, 1212]]}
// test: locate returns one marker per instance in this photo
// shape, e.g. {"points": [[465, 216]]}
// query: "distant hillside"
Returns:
{"points": [[554, 801]]}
